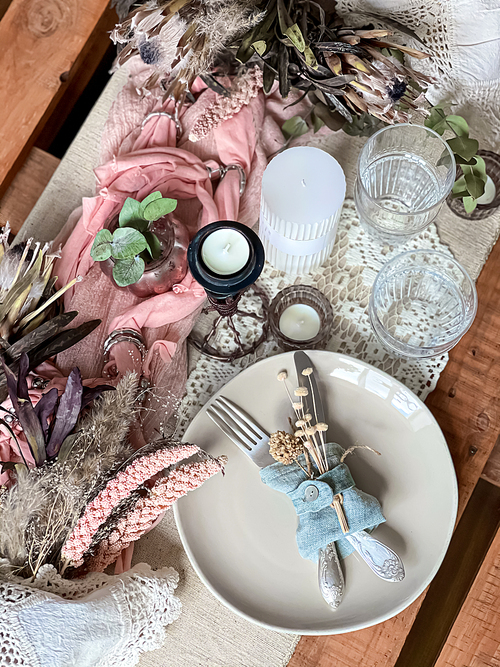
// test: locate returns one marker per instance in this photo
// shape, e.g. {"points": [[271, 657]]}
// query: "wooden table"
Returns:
{"points": [[457, 621]]}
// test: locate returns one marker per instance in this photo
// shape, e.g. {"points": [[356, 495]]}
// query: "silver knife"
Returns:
{"points": [[384, 562]]}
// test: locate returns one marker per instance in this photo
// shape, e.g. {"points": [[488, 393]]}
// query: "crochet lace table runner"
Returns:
{"points": [[460, 33]]}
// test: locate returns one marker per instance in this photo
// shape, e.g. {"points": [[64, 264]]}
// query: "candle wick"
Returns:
{"points": [[303, 182], [226, 249]]}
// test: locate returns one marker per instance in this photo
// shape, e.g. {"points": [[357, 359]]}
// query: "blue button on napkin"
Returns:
{"points": [[312, 498]]}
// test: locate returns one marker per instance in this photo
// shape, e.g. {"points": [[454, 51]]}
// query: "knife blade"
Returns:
{"points": [[314, 403]]}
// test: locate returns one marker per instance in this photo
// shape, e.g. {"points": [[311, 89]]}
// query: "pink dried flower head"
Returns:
{"points": [[165, 492], [244, 89], [118, 488]]}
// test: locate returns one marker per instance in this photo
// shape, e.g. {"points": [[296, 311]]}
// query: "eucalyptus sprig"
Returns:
{"points": [[470, 185], [132, 245]]}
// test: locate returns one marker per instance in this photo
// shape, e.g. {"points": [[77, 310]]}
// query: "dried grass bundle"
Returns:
{"points": [[39, 511]]}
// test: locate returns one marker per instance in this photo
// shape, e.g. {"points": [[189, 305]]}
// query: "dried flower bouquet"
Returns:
{"points": [[90, 494]]}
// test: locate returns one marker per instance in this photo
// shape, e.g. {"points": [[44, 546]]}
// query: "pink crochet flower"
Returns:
{"points": [[117, 489], [163, 495], [246, 87]]}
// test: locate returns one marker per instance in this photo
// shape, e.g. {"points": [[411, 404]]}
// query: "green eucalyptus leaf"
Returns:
{"points": [[332, 119], [316, 122], [436, 120], [458, 125], [158, 208], [294, 127], [460, 194], [459, 184], [259, 47], [152, 197], [445, 159], [154, 246], [475, 185], [101, 248], [295, 35], [469, 204], [127, 242], [480, 168], [464, 146], [128, 271], [131, 210], [141, 225]]}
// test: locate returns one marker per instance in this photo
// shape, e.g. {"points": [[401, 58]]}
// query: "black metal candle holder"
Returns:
{"points": [[224, 293]]}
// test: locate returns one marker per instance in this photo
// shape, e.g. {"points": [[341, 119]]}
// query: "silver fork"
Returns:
{"points": [[254, 442], [242, 430]]}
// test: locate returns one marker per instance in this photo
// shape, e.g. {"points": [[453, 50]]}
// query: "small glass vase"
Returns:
{"points": [[308, 296], [492, 162], [161, 274]]}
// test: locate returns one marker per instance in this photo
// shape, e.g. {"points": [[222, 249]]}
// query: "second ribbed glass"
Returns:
{"points": [[405, 172]]}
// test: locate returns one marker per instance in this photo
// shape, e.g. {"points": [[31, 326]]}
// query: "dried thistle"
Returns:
{"points": [[284, 447], [181, 39]]}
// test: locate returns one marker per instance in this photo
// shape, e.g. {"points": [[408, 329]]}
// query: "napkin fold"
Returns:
{"points": [[312, 498]]}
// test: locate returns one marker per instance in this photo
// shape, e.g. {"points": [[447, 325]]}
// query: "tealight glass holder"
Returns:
{"points": [[310, 298], [422, 303], [492, 162], [222, 331]]}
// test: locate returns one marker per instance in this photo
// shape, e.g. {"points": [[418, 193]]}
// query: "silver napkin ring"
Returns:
{"points": [[222, 170], [124, 336], [174, 119]]}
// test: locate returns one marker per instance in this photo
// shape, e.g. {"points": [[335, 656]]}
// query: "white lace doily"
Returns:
{"points": [[59, 622], [346, 279]]}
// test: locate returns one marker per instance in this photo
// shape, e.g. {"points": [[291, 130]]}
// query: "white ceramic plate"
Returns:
{"points": [[240, 535]]}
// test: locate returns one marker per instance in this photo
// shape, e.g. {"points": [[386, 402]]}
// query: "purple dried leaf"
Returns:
{"points": [[45, 407], [22, 374], [68, 411], [32, 430]]}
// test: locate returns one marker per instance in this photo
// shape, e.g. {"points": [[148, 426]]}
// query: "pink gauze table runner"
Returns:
{"points": [[142, 157]]}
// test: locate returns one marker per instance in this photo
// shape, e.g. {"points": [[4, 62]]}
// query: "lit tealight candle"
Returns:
{"points": [[300, 322], [225, 251], [489, 193]]}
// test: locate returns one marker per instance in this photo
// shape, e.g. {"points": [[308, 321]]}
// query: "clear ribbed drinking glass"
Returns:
{"points": [[405, 172], [422, 303]]}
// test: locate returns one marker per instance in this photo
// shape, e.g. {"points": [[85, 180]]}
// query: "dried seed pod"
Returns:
{"points": [[301, 391], [284, 447], [281, 377]]}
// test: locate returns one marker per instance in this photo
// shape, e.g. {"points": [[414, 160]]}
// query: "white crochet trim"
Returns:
{"points": [[137, 605]]}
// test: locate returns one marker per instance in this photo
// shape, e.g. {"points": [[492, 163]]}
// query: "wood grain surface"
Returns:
{"points": [[27, 186], [474, 640], [41, 43], [466, 405]]}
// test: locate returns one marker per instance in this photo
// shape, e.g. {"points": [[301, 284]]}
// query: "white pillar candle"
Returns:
{"points": [[489, 193], [225, 251], [300, 322], [303, 190]]}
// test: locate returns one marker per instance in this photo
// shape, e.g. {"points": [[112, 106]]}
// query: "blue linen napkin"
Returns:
{"points": [[312, 498]]}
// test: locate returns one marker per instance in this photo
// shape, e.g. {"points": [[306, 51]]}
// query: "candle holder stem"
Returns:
{"points": [[229, 311]]}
